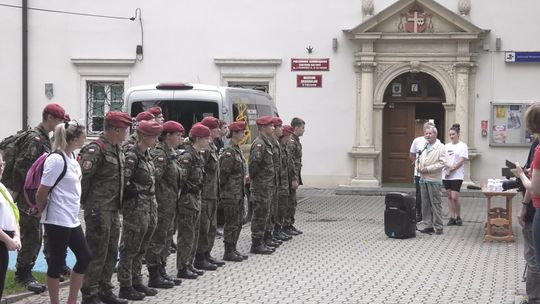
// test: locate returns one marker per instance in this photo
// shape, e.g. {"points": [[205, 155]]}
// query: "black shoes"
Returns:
{"points": [[145, 290], [202, 263], [195, 270], [258, 247], [427, 230], [296, 230], [94, 300], [459, 221], [230, 254], [438, 231], [163, 274], [185, 273], [109, 298], [290, 231], [451, 222], [213, 260], [131, 294], [25, 277], [156, 280]]}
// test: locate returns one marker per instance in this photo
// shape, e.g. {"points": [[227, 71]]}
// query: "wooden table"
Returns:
{"points": [[499, 220]]}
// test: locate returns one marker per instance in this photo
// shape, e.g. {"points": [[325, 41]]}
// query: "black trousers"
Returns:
{"points": [[60, 238], [418, 196], [4, 261]]}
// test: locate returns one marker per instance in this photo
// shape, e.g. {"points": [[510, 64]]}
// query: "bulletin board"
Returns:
{"points": [[508, 126]]}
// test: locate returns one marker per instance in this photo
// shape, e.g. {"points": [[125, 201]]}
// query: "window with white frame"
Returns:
{"points": [[101, 98]]}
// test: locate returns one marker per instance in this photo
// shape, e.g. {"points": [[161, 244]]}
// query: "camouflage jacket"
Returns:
{"points": [[261, 165], [296, 154], [211, 169], [287, 171], [276, 159], [102, 175], [169, 178], [131, 141], [140, 191], [34, 143], [232, 167], [193, 165]]}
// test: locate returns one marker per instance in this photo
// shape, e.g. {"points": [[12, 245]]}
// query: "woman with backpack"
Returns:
{"points": [[58, 202], [9, 227]]}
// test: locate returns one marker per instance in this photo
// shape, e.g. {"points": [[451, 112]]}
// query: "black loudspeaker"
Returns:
{"points": [[400, 215]]}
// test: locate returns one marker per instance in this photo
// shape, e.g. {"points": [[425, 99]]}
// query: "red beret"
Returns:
{"points": [[288, 130], [237, 126], [210, 122], [155, 110], [277, 121], [149, 128], [172, 126], [118, 119], [199, 130], [67, 118], [56, 110], [264, 120], [144, 116]]}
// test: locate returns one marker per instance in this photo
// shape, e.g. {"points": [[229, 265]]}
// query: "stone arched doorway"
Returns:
{"points": [[410, 100]]}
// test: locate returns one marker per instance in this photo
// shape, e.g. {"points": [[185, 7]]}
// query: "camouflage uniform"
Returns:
{"points": [[169, 178], [284, 187], [130, 142], [263, 183], [189, 207], [233, 171], [273, 209], [209, 195], [34, 143], [139, 211], [295, 149], [102, 184]]}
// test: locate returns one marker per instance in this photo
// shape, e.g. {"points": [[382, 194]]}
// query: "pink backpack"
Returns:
{"points": [[33, 180]]}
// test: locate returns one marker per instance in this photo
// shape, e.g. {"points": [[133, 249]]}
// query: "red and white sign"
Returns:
{"points": [[310, 64], [416, 21], [309, 81]]}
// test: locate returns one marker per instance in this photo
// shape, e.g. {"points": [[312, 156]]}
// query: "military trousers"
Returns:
{"points": [[102, 236], [272, 210], [291, 209], [283, 207], [188, 236], [31, 237], [233, 213], [158, 250], [138, 227], [261, 200], [207, 225]]}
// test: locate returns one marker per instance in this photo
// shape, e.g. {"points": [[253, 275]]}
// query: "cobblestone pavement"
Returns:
{"points": [[345, 257]]}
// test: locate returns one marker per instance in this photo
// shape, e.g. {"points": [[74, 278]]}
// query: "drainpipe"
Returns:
{"points": [[24, 64]]}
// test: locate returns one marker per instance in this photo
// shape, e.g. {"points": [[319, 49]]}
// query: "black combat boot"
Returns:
{"points": [[296, 230], [195, 270], [213, 260], [288, 230], [109, 297], [230, 255], [24, 276], [93, 300], [278, 234], [243, 256], [268, 240], [258, 247], [185, 273], [202, 263], [156, 280], [163, 273], [131, 294], [150, 292]]}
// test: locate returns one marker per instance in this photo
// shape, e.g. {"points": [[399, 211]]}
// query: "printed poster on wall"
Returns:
{"points": [[507, 124]]}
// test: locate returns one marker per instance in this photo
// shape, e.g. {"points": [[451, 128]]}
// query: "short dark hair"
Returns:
{"points": [[297, 122]]}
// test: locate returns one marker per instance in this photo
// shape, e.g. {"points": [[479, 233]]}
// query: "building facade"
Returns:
{"points": [[363, 74]]}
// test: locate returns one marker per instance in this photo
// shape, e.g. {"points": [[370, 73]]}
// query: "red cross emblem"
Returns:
{"points": [[416, 20]]}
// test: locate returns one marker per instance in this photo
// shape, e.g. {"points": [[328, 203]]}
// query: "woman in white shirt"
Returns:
{"points": [[9, 227], [456, 154], [60, 207]]}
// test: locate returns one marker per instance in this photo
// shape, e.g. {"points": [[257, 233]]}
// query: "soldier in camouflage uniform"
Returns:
{"points": [[34, 143], [189, 204], [102, 164], [132, 139], [232, 182], [287, 181], [158, 114], [139, 211], [169, 178], [296, 153], [269, 238], [209, 195], [263, 183]]}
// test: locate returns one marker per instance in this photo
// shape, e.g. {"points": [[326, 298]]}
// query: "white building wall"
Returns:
{"points": [[182, 39]]}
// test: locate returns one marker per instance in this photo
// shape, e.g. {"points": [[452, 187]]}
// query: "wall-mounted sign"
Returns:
{"points": [[310, 64], [522, 56], [309, 81]]}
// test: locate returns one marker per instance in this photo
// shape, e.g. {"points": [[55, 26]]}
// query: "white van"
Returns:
{"points": [[190, 103]]}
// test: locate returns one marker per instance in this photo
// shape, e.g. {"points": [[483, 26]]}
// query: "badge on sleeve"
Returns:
{"points": [[161, 159]]}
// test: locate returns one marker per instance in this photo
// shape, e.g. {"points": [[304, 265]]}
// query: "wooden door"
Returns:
{"points": [[398, 134]]}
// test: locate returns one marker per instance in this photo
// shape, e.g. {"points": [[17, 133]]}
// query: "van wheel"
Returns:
{"points": [[248, 211]]}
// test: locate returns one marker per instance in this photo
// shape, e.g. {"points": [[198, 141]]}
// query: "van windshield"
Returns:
{"points": [[186, 112]]}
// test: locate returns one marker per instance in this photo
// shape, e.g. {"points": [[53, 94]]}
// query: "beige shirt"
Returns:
{"points": [[433, 159]]}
